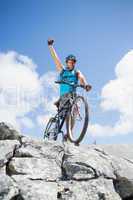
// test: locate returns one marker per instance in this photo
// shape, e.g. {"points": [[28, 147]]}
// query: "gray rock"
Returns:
{"points": [[122, 162], [95, 189], [35, 170], [118, 150], [7, 148], [80, 164], [3, 170], [36, 189], [40, 149], [8, 189], [7, 132], [37, 159], [124, 176]]}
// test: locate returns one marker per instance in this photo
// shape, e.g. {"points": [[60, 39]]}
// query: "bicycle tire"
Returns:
{"points": [[47, 132], [85, 126]]}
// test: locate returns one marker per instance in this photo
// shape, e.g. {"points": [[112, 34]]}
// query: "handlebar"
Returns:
{"points": [[71, 84]]}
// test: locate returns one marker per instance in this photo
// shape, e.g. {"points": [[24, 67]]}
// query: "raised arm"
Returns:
{"points": [[83, 81], [54, 55]]}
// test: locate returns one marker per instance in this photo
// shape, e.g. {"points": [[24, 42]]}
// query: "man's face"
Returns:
{"points": [[70, 64]]}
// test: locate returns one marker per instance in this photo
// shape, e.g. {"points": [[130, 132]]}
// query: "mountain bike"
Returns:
{"points": [[75, 112]]}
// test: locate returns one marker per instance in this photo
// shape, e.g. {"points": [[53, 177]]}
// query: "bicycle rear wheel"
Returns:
{"points": [[77, 120], [51, 130]]}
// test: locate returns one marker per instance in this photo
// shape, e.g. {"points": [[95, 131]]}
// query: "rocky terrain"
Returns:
{"points": [[37, 170]]}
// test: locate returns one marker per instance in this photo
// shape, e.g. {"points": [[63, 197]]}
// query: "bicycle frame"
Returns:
{"points": [[60, 119]]}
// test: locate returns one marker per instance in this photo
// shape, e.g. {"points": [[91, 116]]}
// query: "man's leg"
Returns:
{"points": [[67, 118]]}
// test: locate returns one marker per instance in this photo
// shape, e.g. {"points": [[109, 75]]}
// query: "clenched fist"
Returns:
{"points": [[50, 41]]}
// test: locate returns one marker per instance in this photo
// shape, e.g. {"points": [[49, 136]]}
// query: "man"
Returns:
{"points": [[69, 73]]}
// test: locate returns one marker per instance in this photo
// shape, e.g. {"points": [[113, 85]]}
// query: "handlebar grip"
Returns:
{"points": [[57, 81], [82, 86]]}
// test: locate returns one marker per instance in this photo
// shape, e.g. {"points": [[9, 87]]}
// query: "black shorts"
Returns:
{"points": [[63, 99]]}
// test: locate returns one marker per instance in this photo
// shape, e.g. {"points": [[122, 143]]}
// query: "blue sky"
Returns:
{"points": [[99, 33]]}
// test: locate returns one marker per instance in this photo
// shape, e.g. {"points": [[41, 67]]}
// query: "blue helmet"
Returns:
{"points": [[71, 57]]}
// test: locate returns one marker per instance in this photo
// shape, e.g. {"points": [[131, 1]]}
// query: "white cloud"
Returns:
{"points": [[26, 122], [23, 91], [117, 95], [19, 87]]}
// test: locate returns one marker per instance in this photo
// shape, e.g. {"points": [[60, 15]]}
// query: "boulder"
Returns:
{"points": [[8, 188], [32, 169], [7, 150], [7, 132], [94, 189]]}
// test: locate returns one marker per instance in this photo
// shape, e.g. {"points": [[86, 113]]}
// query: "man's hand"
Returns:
{"points": [[54, 55], [88, 87], [50, 42]]}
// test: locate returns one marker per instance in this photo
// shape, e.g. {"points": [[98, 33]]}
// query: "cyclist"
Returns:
{"points": [[68, 73]]}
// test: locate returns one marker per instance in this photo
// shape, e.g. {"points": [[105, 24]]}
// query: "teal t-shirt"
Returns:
{"points": [[69, 76]]}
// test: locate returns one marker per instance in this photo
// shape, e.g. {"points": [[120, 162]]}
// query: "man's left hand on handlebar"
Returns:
{"points": [[88, 87]]}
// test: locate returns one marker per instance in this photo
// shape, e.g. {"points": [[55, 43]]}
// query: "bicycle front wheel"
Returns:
{"points": [[77, 120]]}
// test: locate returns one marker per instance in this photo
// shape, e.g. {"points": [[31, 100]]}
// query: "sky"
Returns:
{"points": [[99, 33]]}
